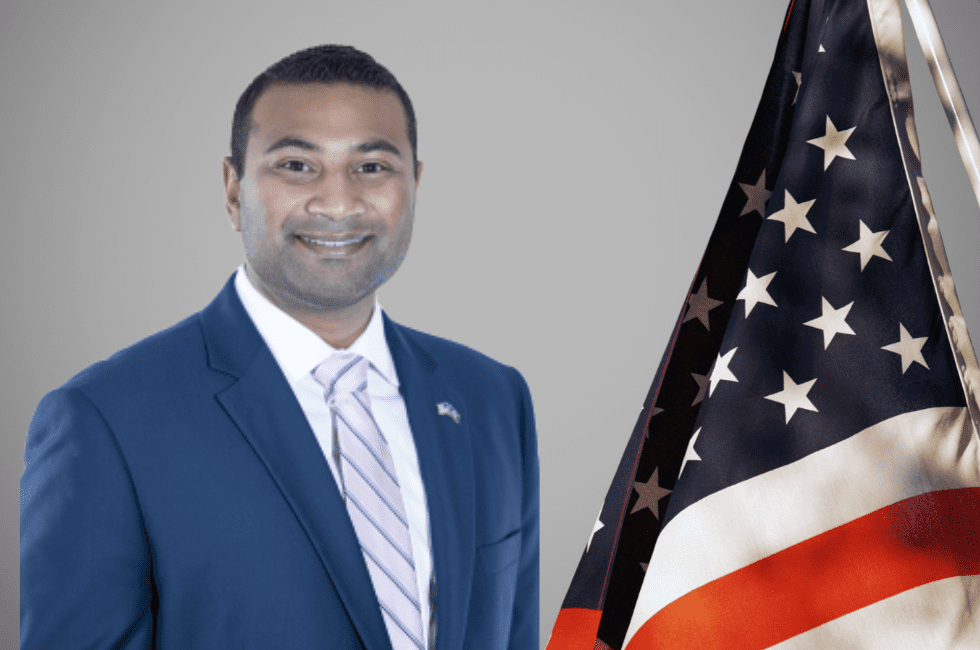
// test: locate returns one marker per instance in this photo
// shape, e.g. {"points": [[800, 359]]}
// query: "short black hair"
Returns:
{"points": [[319, 64]]}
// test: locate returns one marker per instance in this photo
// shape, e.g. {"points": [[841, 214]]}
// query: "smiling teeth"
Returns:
{"points": [[321, 242]]}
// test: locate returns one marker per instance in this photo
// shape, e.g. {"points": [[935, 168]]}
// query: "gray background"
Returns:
{"points": [[575, 157]]}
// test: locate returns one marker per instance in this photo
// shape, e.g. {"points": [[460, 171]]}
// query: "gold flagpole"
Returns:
{"points": [[950, 95], [886, 20]]}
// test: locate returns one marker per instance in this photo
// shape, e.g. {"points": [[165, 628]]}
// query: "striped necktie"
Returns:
{"points": [[373, 497]]}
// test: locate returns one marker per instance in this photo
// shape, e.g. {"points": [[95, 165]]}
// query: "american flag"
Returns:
{"points": [[805, 471]]}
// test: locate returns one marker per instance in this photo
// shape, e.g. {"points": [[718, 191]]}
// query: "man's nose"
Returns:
{"points": [[336, 196]]}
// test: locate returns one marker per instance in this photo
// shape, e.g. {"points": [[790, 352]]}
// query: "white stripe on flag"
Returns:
{"points": [[902, 457], [923, 618]]}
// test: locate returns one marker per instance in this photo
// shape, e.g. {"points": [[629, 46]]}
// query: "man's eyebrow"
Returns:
{"points": [[378, 145], [292, 142]]}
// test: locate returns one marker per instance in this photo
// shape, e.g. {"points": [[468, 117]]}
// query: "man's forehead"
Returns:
{"points": [[336, 104]]}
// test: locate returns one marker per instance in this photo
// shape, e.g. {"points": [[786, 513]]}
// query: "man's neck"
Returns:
{"points": [[340, 329]]}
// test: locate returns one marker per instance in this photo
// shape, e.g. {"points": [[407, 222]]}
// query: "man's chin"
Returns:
{"points": [[331, 300], [302, 292]]}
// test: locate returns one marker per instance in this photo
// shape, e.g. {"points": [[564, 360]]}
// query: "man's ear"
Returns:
{"points": [[418, 174], [232, 190]]}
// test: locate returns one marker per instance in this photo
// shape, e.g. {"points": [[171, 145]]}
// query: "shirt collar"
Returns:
{"points": [[299, 350]]}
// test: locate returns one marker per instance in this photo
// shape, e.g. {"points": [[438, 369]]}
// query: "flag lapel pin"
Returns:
{"points": [[447, 409]]}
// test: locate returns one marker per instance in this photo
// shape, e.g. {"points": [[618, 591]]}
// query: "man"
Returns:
{"points": [[289, 468]]}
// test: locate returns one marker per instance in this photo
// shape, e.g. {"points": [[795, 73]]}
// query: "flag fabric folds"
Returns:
{"points": [[805, 472]]}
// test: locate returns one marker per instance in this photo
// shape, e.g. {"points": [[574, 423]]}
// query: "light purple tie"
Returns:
{"points": [[373, 497]]}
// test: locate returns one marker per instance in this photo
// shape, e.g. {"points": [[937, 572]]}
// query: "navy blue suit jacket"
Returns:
{"points": [[174, 496]]}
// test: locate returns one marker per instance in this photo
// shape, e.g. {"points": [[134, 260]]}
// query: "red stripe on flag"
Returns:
{"points": [[575, 629], [911, 543]]}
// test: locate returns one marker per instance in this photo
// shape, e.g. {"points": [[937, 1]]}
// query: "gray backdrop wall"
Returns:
{"points": [[575, 156]]}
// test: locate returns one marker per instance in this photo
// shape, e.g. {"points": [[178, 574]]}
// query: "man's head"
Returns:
{"points": [[324, 191], [319, 64]]}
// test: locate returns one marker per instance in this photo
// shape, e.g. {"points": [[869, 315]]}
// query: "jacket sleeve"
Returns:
{"points": [[526, 621], [84, 556]]}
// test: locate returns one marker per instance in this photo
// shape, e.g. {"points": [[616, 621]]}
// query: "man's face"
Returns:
{"points": [[327, 198]]}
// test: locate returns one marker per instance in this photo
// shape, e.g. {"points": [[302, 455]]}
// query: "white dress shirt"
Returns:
{"points": [[298, 351]]}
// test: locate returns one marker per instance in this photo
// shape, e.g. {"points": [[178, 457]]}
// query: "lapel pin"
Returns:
{"points": [[445, 408]]}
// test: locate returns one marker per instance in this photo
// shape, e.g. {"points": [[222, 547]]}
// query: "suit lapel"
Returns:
{"points": [[446, 462], [265, 410]]}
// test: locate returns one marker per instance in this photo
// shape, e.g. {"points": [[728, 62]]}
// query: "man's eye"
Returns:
{"points": [[371, 168], [295, 166]]}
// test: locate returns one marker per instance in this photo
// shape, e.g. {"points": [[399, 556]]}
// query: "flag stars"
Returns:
{"points": [[595, 529], [756, 196], [702, 381], [910, 349], [720, 372], [831, 321], [656, 411], [868, 245], [699, 304], [833, 144], [799, 82], [793, 215], [690, 454], [793, 396], [755, 291], [650, 494]]}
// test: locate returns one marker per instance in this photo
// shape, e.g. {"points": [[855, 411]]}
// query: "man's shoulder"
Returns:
{"points": [[174, 356], [481, 381], [154, 356], [456, 356]]}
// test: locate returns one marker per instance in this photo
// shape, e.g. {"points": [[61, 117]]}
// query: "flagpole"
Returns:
{"points": [[950, 95], [965, 135]]}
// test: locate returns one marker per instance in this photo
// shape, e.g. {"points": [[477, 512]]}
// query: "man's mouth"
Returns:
{"points": [[335, 243]]}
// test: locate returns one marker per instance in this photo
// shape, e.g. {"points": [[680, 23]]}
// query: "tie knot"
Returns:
{"points": [[342, 374]]}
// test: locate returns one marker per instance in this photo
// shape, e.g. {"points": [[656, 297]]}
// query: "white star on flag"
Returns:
{"points": [[720, 372], [833, 144], [650, 494], [690, 454], [799, 82], [700, 304], [595, 529], [755, 291], [757, 195], [909, 348], [793, 396], [868, 245], [793, 215], [831, 321], [820, 50]]}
